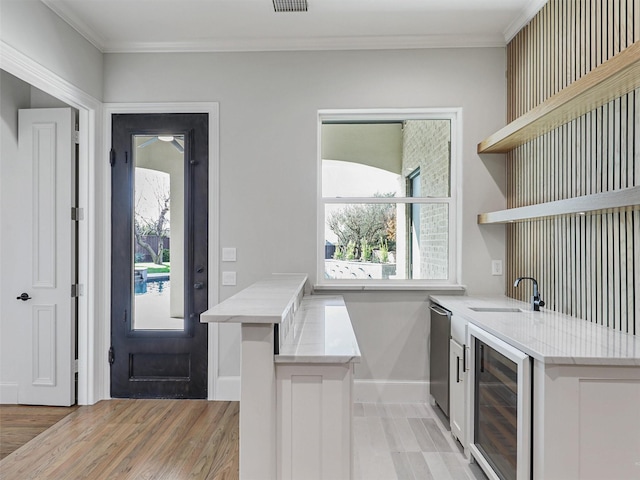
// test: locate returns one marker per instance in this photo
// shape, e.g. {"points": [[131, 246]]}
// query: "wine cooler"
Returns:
{"points": [[501, 413]]}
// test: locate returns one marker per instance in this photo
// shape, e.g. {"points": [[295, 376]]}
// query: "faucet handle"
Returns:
{"points": [[536, 303]]}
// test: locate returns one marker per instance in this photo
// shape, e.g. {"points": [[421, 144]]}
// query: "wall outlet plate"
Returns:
{"points": [[496, 267], [229, 254], [229, 278]]}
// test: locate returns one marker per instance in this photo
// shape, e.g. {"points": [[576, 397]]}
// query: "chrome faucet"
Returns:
{"points": [[536, 302]]}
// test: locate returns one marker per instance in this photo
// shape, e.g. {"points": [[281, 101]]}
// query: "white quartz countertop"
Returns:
{"points": [[267, 301], [321, 332], [547, 336]]}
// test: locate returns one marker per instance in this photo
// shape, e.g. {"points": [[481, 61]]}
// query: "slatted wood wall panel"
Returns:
{"points": [[587, 266]]}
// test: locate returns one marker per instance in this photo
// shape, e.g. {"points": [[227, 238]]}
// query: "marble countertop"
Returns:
{"points": [[313, 328], [320, 332], [547, 336], [268, 301]]}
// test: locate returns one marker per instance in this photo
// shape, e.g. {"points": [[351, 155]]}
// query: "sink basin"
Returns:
{"points": [[496, 309]]}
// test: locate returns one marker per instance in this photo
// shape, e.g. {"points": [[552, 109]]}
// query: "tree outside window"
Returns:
{"points": [[386, 201]]}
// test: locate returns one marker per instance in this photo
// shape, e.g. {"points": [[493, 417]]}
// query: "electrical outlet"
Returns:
{"points": [[496, 267]]}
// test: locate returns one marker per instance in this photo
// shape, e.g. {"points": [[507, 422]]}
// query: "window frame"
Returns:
{"points": [[410, 179], [454, 201]]}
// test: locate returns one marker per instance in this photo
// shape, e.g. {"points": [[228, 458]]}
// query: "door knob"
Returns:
{"points": [[24, 297], [198, 285]]}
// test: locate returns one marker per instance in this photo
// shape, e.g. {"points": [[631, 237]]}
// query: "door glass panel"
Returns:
{"points": [[158, 233]]}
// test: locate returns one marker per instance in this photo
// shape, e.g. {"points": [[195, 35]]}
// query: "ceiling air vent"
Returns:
{"points": [[290, 5]]}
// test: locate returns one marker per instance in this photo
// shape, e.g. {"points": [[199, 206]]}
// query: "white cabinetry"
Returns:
{"points": [[586, 387], [586, 422], [457, 381], [314, 421]]}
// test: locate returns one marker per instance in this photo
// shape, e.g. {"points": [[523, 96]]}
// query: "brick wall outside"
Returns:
{"points": [[426, 145]]}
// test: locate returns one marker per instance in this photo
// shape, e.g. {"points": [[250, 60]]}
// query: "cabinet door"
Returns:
{"points": [[314, 416], [456, 391]]}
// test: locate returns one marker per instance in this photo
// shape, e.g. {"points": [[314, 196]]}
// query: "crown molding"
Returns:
{"points": [[530, 11], [244, 44], [79, 25], [19, 65], [307, 44]]}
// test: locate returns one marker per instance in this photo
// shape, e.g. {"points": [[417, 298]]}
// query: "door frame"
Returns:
{"points": [[89, 118], [94, 198], [212, 108]]}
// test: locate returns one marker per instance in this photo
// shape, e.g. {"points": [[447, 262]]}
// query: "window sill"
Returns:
{"points": [[354, 287]]}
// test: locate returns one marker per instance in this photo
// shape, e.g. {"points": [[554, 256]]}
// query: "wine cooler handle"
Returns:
{"points": [[464, 358], [481, 358]]}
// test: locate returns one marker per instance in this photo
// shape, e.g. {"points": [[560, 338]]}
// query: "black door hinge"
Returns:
{"points": [[76, 214], [112, 157], [112, 356]]}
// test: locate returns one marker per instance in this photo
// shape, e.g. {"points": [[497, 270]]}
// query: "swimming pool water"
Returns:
{"points": [[152, 287]]}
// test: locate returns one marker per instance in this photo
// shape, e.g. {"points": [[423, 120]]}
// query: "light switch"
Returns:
{"points": [[228, 278], [229, 254], [496, 267]]}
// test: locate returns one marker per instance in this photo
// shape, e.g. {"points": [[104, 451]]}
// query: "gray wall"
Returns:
{"points": [[30, 27], [268, 104], [268, 154]]}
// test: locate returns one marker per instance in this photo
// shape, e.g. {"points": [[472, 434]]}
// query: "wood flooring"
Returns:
{"points": [[134, 439], [21, 423], [197, 439]]}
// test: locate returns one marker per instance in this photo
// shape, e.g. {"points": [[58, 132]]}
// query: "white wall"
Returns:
{"points": [[33, 29], [268, 147]]}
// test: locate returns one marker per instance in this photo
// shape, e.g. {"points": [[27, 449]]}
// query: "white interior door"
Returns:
{"points": [[41, 255]]}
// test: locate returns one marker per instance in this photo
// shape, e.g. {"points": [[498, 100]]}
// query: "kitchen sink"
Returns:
{"points": [[497, 309]]}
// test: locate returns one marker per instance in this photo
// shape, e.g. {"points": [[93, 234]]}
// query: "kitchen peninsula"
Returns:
{"points": [[298, 352]]}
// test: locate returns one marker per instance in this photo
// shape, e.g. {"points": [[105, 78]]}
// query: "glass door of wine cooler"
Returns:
{"points": [[496, 418], [501, 408]]}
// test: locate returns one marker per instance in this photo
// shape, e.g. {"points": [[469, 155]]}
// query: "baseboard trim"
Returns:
{"points": [[227, 389], [9, 393], [390, 391], [376, 391]]}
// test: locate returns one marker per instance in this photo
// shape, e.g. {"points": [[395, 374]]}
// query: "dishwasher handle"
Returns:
{"points": [[439, 310]]}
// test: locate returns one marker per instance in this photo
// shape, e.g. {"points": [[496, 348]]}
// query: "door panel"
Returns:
{"points": [[40, 254], [159, 255]]}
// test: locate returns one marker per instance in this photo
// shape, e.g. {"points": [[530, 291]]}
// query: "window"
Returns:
{"points": [[387, 209]]}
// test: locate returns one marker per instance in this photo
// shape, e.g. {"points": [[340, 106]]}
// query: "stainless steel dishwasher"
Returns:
{"points": [[439, 356]]}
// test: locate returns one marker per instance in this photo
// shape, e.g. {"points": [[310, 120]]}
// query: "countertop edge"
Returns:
{"points": [[610, 347]]}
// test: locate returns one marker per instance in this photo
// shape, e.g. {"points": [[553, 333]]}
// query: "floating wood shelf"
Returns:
{"points": [[610, 80], [598, 202]]}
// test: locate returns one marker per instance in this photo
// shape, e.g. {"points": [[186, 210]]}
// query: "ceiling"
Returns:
{"points": [[252, 25]]}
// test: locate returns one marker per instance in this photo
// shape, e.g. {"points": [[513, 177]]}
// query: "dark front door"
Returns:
{"points": [[159, 275]]}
